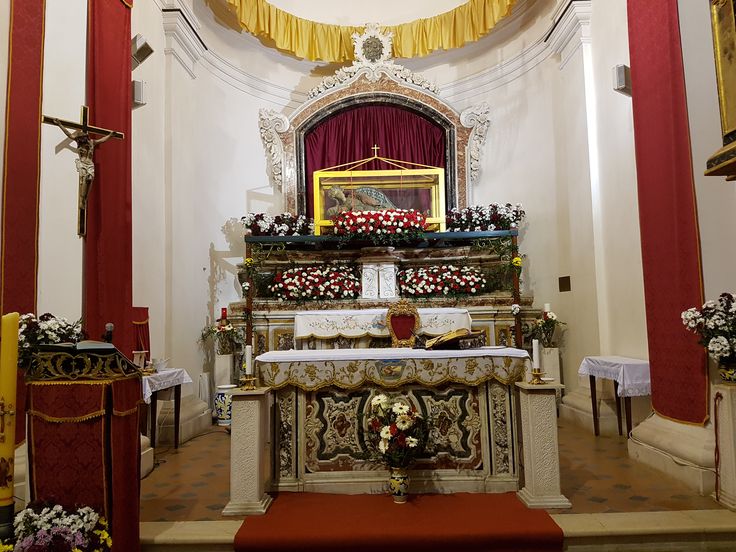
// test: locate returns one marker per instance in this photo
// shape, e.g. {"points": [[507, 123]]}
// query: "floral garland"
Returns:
{"points": [[381, 227], [397, 434], [47, 527], [285, 224], [479, 218], [311, 283], [440, 280]]}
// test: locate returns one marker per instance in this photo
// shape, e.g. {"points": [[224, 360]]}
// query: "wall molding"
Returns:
{"points": [[569, 27], [183, 42]]}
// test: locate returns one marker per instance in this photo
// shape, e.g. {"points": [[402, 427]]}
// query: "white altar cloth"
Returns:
{"points": [[329, 324], [631, 374], [163, 380], [351, 368]]}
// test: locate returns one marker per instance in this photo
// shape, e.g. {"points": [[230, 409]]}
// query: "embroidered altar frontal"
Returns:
{"points": [[319, 437]]}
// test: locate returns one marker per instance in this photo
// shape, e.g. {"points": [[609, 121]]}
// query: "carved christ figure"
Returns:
{"points": [[85, 167]]}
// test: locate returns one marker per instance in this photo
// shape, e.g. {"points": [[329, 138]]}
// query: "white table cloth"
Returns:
{"points": [[329, 324], [631, 374], [163, 380], [352, 368]]}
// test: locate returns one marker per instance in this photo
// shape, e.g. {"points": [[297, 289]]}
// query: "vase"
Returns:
{"points": [[399, 484], [727, 372], [223, 405], [223, 369]]}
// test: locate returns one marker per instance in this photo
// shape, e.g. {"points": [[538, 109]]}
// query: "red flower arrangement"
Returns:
{"points": [[381, 227], [315, 283], [440, 280]]}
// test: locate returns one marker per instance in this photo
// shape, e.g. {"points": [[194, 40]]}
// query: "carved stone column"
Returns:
{"points": [[725, 413], [541, 453], [249, 459]]}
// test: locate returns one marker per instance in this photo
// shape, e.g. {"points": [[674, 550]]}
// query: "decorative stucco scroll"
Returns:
{"points": [[373, 51], [478, 119], [271, 123]]}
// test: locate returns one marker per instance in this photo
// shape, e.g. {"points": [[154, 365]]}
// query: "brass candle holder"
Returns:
{"points": [[248, 383], [537, 377]]}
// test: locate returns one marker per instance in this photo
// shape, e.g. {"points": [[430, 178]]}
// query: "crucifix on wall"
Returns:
{"points": [[81, 133]]}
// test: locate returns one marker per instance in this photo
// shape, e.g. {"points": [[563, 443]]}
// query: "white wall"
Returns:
{"points": [[622, 315], [59, 249], [716, 198]]}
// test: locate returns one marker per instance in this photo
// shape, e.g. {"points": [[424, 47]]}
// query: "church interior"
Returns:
{"points": [[451, 274]]}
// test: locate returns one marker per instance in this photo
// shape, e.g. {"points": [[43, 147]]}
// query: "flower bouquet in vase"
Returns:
{"points": [[397, 435], [715, 323]]}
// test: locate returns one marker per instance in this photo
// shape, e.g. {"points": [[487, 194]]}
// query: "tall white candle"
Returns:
{"points": [[535, 354], [547, 307], [248, 360]]}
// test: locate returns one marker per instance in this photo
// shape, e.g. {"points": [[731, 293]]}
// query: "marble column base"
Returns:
{"points": [[541, 457], [726, 443], [683, 451], [249, 458]]}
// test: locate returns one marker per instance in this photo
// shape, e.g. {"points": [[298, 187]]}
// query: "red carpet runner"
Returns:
{"points": [[427, 523]]}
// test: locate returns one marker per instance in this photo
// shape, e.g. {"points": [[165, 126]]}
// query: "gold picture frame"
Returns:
{"points": [[354, 187], [723, 20]]}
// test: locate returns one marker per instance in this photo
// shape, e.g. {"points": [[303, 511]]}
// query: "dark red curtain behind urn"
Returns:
{"points": [[349, 136], [667, 212], [107, 288]]}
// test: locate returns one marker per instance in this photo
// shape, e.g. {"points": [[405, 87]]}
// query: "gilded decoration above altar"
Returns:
{"points": [[321, 41]]}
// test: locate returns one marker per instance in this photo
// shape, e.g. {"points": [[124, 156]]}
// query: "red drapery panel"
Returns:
{"points": [[108, 247], [22, 169], [141, 330], [90, 428], [667, 210], [349, 136]]}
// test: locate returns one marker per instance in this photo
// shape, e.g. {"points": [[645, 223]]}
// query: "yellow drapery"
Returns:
{"points": [[320, 41]]}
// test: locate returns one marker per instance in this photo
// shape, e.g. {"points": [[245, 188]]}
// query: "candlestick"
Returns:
{"points": [[8, 383], [248, 360], [547, 307], [535, 354]]}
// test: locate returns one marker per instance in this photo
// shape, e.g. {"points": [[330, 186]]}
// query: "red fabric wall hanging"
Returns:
{"points": [[108, 289], [22, 168], [667, 210]]}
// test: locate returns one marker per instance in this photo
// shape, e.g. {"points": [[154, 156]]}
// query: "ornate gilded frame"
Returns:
{"points": [[723, 20], [402, 308]]}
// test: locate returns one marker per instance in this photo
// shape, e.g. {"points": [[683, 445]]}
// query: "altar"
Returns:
{"points": [[320, 396]]}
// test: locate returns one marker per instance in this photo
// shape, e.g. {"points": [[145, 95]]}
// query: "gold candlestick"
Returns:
{"points": [[537, 377], [248, 383]]}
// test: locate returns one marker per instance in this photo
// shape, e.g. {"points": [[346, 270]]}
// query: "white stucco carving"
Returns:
{"points": [[477, 118], [271, 123], [373, 52]]}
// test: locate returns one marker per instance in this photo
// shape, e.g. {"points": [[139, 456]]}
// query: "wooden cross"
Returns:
{"points": [[375, 149], [85, 150]]}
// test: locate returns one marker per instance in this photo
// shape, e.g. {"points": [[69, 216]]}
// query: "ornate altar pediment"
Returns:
{"points": [[374, 78]]}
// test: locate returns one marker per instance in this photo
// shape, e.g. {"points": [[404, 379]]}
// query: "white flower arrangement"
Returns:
{"points": [[45, 329], [515, 309], [47, 527], [480, 218], [440, 280], [715, 323], [285, 224]]}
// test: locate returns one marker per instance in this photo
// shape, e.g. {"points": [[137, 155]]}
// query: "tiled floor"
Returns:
{"points": [[191, 484]]}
